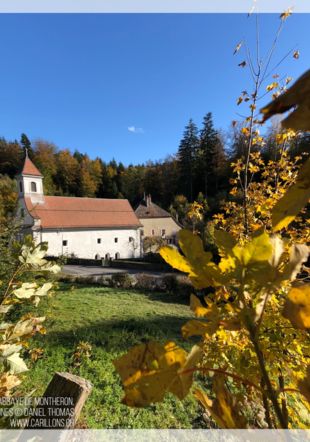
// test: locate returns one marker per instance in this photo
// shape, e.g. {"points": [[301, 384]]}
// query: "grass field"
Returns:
{"points": [[111, 320]]}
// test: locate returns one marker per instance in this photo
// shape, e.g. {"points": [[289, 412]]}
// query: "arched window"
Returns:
{"points": [[20, 186], [107, 256], [33, 186], [117, 255], [97, 256]]}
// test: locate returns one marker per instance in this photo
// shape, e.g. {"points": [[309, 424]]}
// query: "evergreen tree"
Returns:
{"points": [[26, 145], [209, 156], [186, 158]]}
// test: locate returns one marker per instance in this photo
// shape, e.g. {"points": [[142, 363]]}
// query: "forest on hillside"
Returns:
{"points": [[200, 169]]}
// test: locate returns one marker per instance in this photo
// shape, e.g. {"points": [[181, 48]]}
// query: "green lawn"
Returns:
{"points": [[111, 320]]}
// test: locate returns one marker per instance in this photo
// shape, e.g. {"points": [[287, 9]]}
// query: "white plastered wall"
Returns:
{"points": [[82, 243]]}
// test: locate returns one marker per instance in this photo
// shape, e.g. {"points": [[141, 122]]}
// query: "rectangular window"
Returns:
{"points": [[130, 239], [65, 243], [163, 232], [153, 232], [142, 232], [22, 213], [115, 239], [98, 240]]}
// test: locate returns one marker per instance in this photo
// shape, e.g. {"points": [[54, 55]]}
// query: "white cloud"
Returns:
{"points": [[135, 130]]}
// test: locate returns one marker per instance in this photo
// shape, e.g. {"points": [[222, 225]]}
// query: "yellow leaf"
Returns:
{"points": [[297, 307], [287, 13], [210, 311], [8, 381], [199, 328], [183, 382], [245, 131], [304, 385], [227, 265], [203, 272], [149, 370], [259, 249], [272, 86], [297, 97], [175, 259], [295, 198], [192, 248], [224, 241], [224, 408], [298, 255], [238, 47], [197, 307]]}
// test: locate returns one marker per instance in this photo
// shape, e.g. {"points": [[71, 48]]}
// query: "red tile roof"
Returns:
{"points": [[69, 212], [29, 168]]}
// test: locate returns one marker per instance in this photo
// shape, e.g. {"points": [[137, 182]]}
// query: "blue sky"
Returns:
{"points": [[125, 85]]}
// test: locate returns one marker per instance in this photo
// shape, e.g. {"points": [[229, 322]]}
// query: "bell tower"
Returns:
{"points": [[30, 182]]}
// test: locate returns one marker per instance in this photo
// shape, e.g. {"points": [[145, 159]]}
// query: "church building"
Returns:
{"points": [[91, 228]]}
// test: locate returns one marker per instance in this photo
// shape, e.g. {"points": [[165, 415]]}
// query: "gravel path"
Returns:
{"points": [[99, 271]]}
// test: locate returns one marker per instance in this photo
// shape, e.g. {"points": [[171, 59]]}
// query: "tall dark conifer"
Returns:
{"points": [[210, 158], [186, 158], [26, 145]]}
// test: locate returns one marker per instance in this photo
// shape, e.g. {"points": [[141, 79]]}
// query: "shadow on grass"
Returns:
{"points": [[118, 336]]}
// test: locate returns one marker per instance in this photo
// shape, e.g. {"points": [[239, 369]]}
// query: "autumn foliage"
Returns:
{"points": [[252, 313], [252, 326]]}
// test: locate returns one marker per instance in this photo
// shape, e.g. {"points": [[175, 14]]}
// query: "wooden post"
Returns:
{"points": [[62, 402]]}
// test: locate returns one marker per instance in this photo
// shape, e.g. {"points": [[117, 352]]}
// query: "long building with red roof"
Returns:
{"points": [[91, 228]]}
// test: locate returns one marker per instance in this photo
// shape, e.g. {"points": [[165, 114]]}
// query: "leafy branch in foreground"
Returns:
{"points": [[29, 265], [252, 325], [253, 315]]}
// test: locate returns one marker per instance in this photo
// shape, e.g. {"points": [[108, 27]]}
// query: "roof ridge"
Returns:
{"points": [[86, 198]]}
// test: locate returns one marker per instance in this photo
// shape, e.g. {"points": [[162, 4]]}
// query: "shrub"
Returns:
{"points": [[145, 282], [122, 280]]}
